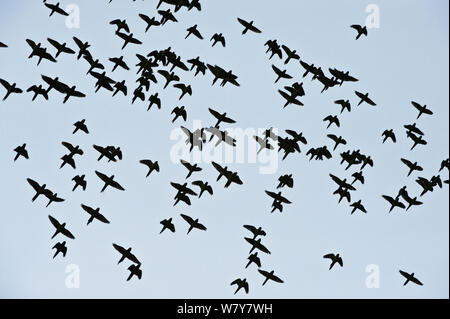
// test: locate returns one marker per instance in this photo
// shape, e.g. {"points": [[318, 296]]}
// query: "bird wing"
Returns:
{"points": [[54, 221], [34, 184], [188, 219]]}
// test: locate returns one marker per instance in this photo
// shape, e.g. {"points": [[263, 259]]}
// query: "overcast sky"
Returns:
{"points": [[405, 59]]}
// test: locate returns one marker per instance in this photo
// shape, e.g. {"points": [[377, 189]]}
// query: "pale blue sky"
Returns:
{"points": [[405, 59]]}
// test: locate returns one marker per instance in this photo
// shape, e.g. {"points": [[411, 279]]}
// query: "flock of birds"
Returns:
{"points": [[290, 144]]}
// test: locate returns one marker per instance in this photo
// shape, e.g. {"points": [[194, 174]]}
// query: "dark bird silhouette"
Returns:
{"points": [[291, 55], [358, 176], [220, 73], [192, 223], [55, 8], [195, 4], [290, 99], [60, 228], [79, 181], [445, 164], [154, 99], [69, 92], [2, 45], [127, 38], [138, 94], [337, 140], [253, 258], [366, 160], [166, 16], [167, 224], [411, 201], [126, 253], [119, 62], [179, 112], [360, 29], [358, 206], [334, 259], [73, 150], [256, 244], [278, 197], [342, 76], [152, 166], [120, 87], [52, 197], [204, 186], [60, 248], [232, 177], [241, 284], [82, 47], [342, 183], [135, 270], [40, 52], [345, 105], [394, 202], [255, 231], [151, 22], [418, 140], [109, 181], [120, 24], [94, 214], [413, 128], [110, 152], [389, 134], [422, 109], [184, 89], [170, 77], [332, 120], [221, 118], [269, 276], [274, 48], [218, 38], [39, 189], [10, 88], [285, 180], [280, 74], [193, 30], [412, 166], [38, 90], [364, 98], [343, 193], [191, 168], [60, 48], [21, 151], [410, 278], [428, 185], [248, 26], [200, 67]]}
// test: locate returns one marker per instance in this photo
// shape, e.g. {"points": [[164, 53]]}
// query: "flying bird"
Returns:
{"points": [[151, 22], [412, 166], [410, 278], [60, 48], [335, 258], [389, 134], [394, 202], [135, 270], [21, 151], [193, 30], [192, 223], [269, 276], [94, 214], [79, 181], [60, 228], [332, 120], [362, 30], [248, 26], [60, 248], [126, 254], [10, 88], [232, 177], [422, 109], [204, 186], [167, 224], [55, 8], [241, 284], [109, 181], [364, 98], [81, 126], [218, 38]]}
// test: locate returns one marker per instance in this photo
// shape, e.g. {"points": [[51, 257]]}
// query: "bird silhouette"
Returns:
{"points": [[241, 284], [248, 26], [21, 151], [335, 258], [362, 30]]}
